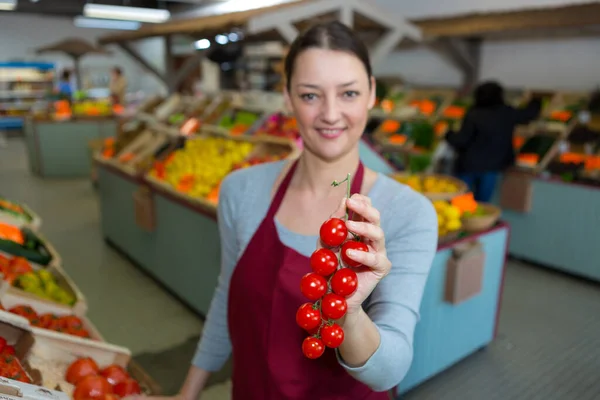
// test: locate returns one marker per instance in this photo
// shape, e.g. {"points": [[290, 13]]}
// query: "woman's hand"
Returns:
{"points": [[366, 224]]}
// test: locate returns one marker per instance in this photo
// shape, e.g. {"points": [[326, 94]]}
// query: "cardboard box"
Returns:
{"points": [[464, 275]]}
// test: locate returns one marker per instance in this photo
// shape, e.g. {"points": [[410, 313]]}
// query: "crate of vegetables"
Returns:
{"points": [[49, 285], [428, 103], [72, 366], [195, 171], [24, 242], [19, 215], [395, 134]]}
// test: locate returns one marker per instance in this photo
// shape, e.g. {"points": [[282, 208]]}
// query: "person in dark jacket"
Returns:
{"points": [[484, 143]]}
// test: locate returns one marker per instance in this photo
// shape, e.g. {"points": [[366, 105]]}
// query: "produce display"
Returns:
{"points": [[69, 324], [23, 242], [18, 272], [198, 168], [448, 216], [536, 148], [333, 280], [10, 365], [432, 185], [92, 382], [239, 121], [428, 105], [15, 210], [279, 125], [419, 134]]}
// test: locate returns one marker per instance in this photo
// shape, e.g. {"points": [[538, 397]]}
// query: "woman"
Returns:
{"points": [[269, 219], [484, 144]]}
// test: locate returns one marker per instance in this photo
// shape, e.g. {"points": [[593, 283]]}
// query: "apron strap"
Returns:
{"points": [[357, 181]]}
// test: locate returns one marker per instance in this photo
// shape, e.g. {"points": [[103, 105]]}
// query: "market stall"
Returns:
{"points": [[46, 340]]}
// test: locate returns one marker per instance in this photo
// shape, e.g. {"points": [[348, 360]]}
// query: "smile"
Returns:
{"points": [[331, 133]]}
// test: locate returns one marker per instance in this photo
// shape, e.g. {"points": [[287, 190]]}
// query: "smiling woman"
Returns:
{"points": [[270, 217]]}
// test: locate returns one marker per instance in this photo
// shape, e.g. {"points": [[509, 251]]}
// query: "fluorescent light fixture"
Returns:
{"points": [[150, 15], [202, 44], [8, 5], [84, 22], [221, 39]]}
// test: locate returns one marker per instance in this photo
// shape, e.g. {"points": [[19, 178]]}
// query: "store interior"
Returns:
{"points": [[118, 123]]}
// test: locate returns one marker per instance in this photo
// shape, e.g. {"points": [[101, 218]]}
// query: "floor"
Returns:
{"points": [[549, 337]]}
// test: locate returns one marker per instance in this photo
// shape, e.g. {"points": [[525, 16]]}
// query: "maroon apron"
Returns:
{"points": [[264, 295]]}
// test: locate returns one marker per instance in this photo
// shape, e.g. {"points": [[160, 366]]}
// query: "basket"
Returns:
{"points": [[462, 187], [478, 223]]}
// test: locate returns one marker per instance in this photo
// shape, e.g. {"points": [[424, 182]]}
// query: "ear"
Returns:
{"points": [[287, 99], [373, 93]]}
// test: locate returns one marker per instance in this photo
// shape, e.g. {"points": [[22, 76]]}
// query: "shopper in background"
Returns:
{"points": [[65, 88], [269, 219], [484, 144], [118, 86]]}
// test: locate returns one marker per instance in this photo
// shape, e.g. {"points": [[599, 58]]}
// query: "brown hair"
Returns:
{"points": [[332, 35]]}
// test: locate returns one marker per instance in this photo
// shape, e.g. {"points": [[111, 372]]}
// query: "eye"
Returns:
{"points": [[308, 96], [351, 94]]}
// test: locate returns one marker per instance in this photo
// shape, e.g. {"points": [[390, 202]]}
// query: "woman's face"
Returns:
{"points": [[330, 96]]}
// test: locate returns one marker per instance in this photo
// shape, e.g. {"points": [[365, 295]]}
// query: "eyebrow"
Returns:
{"points": [[311, 86]]}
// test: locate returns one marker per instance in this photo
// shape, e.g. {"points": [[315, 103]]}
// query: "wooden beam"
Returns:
{"points": [[126, 47], [169, 60], [386, 45], [287, 31], [186, 69], [579, 15]]}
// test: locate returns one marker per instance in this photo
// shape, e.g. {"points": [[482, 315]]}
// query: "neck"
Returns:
{"points": [[316, 174]]}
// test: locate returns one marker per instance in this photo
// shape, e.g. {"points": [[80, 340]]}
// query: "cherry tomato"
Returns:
{"points": [[344, 282], [332, 335], [334, 306], [313, 286], [308, 317], [352, 245], [333, 232], [324, 262], [313, 348]]}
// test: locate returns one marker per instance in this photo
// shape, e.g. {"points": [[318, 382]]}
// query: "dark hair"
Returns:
{"points": [[118, 70], [332, 35], [489, 94], [594, 103], [66, 75]]}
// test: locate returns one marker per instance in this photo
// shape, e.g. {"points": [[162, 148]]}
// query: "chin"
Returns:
{"points": [[330, 150]]}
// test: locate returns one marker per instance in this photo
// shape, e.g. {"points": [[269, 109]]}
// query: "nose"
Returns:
{"points": [[331, 112]]}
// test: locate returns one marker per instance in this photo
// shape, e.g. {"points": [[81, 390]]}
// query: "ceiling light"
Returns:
{"points": [[84, 22], [221, 39], [234, 37], [150, 15], [8, 5], [202, 44]]}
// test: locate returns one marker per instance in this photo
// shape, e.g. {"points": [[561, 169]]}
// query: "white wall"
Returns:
{"points": [[21, 34]]}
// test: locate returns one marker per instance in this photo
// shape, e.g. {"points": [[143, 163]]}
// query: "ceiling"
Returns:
{"points": [[72, 8]]}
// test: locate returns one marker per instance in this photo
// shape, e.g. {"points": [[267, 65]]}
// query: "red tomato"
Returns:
{"points": [[352, 245], [332, 335], [49, 321], [127, 388], [70, 322], [334, 306], [344, 282], [313, 348], [25, 311], [92, 387], [2, 344], [79, 332], [308, 317], [110, 396], [313, 286], [114, 374], [333, 232], [324, 262], [8, 350], [20, 266], [80, 369]]}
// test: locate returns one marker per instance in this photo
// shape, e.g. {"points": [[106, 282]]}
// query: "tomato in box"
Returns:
{"points": [[80, 369], [115, 374], [92, 387], [127, 388], [26, 312]]}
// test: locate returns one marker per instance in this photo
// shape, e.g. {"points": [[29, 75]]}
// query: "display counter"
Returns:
{"points": [[559, 227], [60, 149], [177, 243]]}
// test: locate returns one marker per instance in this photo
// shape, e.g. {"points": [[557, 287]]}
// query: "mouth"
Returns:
{"points": [[330, 133]]}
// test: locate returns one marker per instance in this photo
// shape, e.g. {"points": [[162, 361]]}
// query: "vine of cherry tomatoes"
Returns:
{"points": [[333, 280]]}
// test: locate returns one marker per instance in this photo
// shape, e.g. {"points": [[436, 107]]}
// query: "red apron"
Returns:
{"points": [[264, 295]]}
